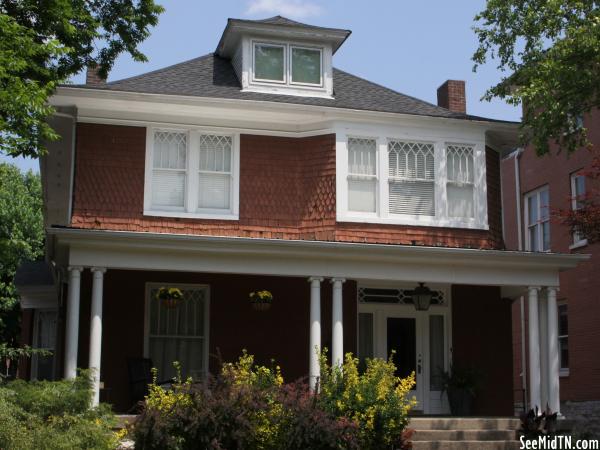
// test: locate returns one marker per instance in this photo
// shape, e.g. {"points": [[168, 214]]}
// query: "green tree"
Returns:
{"points": [[43, 43], [549, 53], [21, 238]]}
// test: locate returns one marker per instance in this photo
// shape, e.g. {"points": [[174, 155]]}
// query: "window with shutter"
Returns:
{"points": [[215, 172], [460, 187], [169, 169], [362, 175], [411, 178]]}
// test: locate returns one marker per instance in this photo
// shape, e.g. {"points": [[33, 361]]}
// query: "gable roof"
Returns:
{"points": [[212, 76]]}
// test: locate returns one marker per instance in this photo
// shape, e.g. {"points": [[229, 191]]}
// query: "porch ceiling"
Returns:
{"points": [[167, 252]]}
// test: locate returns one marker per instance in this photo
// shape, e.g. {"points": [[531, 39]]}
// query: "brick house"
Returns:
{"points": [[534, 187], [261, 166]]}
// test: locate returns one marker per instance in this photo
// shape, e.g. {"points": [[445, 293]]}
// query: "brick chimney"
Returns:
{"points": [[92, 78], [451, 95]]}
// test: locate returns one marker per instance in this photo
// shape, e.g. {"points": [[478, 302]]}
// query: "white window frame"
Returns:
{"points": [[206, 325], [291, 48], [35, 358], [285, 62], [563, 371], [578, 240], [376, 177], [382, 214], [191, 209], [539, 224]]}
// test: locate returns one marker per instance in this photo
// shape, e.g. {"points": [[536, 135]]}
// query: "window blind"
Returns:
{"points": [[362, 174], [411, 178], [169, 169], [215, 172], [460, 188]]}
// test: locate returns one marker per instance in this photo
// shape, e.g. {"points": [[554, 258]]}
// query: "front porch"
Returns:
{"points": [[323, 297]]}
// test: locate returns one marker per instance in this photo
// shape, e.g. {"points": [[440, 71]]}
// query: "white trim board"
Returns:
{"points": [[186, 253]]}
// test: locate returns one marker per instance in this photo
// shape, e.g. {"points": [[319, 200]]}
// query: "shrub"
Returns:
{"points": [[378, 401], [53, 415], [247, 406]]}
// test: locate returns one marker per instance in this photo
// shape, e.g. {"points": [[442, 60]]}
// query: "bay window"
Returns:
{"points": [[191, 173], [412, 182]]}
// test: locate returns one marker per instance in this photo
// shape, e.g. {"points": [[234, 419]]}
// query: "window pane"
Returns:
{"points": [[563, 344], [532, 207], [215, 153], [544, 205], [169, 150], [460, 200], [168, 188], [214, 191], [362, 154], [546, 235], [459, 163], [268, 62], [412, 197], [533, 239], [411, 160], [306, 66], [563, 322], [362, 195], [436, 353]]}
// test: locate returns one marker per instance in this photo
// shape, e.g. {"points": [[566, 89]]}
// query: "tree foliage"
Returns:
{"points": [[43, 43], [21, 238], [549, 52]]}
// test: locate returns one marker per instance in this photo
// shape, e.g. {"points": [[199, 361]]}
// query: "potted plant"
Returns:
{"points": [[261, 300], [460, 384], [171, 297]]}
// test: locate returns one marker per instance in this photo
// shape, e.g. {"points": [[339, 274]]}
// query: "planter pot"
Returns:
{"points": [[171, 303], [461, 402], [261, 306]]}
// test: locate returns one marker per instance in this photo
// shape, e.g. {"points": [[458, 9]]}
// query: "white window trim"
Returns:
{"points": [[190, 210], [377, 177], [536, 192], [578, 242], [291, 62], [382, 214], [205, 337], [286, 71]]}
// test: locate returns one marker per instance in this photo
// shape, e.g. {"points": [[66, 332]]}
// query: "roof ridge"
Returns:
{"points": [[400, 93]]}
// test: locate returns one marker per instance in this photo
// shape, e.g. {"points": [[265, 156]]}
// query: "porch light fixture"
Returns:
{"points": [[421, 296]]}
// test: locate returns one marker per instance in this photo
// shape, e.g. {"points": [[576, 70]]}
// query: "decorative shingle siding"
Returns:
{"points": [[287, 191]]}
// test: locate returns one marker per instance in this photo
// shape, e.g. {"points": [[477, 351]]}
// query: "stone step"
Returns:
{"points": [[464, 423], [466, 435], [465, 445]]}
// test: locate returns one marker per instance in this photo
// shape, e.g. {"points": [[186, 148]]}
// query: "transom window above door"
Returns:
{"points": [[412, 182], [191, 173]]}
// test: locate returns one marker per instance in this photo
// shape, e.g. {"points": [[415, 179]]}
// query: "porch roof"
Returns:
{"points": [[192, 253]]}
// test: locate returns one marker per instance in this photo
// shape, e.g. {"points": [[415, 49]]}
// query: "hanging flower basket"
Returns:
{"points": [[261, 300], [170, 297]]}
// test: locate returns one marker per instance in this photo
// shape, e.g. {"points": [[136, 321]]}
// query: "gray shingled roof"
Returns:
{"points": [[214, 77]]}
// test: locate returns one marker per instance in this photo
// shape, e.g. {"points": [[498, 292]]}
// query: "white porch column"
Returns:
{"points": [[337, 320], [96, 331], [553, 356], [72, 326], [543, 323], [534, 350], [314, 371]]}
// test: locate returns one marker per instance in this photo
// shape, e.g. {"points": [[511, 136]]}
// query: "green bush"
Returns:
{"points": [[249, 406], [53, 415]]}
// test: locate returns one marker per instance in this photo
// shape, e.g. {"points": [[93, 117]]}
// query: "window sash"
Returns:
{"points": [[577, 195], [258, 74], [296, 70], [538, 220]]}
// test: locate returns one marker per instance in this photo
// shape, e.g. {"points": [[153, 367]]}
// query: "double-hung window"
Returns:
{"points": [[537, 214], [192, 174], [460, 187], [577, 198], [362, 175], [411, 178]]}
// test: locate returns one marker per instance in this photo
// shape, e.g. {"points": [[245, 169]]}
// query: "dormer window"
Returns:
{"points": [[287, 64]]}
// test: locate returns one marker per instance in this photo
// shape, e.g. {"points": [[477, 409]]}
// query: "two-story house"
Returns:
{"points": [[261, 166], [534, 189]]}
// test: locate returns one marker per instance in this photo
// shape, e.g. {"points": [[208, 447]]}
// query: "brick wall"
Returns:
{"points": [[578, 287], [287, 191]]}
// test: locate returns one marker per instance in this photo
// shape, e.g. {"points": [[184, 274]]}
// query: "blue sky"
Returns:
{"points": [[409, 46]]}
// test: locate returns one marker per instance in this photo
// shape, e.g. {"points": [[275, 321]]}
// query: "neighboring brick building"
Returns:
{"points": [[560, 177], [263, 167]]}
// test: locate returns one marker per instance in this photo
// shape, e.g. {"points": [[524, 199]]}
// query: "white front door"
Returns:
{"points": [[419, 340]]}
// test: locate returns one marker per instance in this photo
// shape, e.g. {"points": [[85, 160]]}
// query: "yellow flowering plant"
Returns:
{"points": [[263, 296]]}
